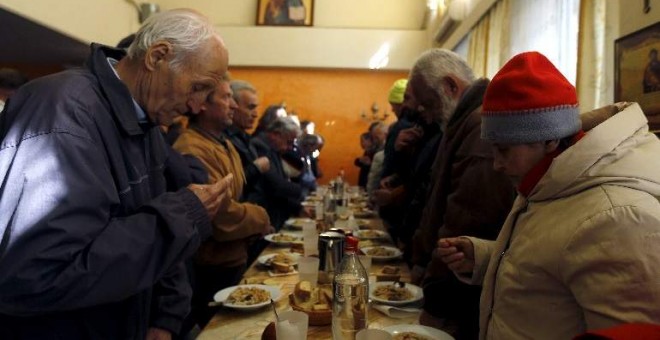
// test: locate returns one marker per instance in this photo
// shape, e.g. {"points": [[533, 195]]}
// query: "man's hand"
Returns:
{"points": [[387, 182], [366, 160], [382, 197], [417, 274], [408, 138], [457, 253], [262, 163], [307, 212], [269, 230], [213, 196], [158, 334]]}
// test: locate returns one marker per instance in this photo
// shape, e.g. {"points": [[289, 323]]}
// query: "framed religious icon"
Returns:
{"points": [[637, 71], [285, 12]]}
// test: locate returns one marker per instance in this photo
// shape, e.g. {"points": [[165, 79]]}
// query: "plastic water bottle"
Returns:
{"points": [[351, 295]]}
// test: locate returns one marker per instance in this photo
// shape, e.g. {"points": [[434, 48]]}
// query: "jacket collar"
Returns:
{"points": [[536, 173], [118, 95], [470, 100]]}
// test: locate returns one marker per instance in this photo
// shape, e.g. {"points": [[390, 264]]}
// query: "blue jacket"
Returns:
{"points": [[92, 245]]}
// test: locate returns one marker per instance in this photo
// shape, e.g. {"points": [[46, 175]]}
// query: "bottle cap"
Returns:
{"points": [[352, 243]]}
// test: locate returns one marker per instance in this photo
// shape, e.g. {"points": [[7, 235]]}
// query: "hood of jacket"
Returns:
{"points": [[618, 149]]}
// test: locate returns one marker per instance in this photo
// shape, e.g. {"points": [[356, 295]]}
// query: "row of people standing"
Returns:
{"points": [[477, 145]]}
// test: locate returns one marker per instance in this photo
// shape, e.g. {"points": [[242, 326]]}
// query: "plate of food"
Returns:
{"points": [[395, 292], [247, 297], [363, 212], [282, 239], [281, 258], [371, 234], [298, 222], [382, 252], [416, 332]]}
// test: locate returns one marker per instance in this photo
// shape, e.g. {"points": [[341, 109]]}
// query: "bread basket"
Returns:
{"points": [[316, 317]]}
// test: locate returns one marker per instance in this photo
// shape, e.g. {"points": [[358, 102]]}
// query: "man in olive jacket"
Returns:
{"points": [[222, 259]]}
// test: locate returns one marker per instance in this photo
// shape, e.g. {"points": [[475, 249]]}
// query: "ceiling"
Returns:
{"points": [[25, 41]]}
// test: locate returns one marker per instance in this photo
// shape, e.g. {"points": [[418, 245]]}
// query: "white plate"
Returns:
{"points": [[417, 293], [431, 333], [371, 234], [298, 222], [395, 253], [222, 295], [263, 259], [269, 238]]}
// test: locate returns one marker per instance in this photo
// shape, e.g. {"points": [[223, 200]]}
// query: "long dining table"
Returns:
{"points": [[235, 324]]}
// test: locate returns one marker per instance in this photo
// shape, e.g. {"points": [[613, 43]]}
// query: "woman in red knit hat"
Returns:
{"points": [[579, 249]]}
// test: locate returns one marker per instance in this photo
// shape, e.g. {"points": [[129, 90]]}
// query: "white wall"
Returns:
{"points": [[104, 21], [368, 14], [346, 33]]}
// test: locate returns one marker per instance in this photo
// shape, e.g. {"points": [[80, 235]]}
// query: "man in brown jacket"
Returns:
{"points": [[221, 259], [465, 196]]}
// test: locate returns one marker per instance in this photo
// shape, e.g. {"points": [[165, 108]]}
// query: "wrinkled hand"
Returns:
{"points": [[307, 212], [158, 334], [262, 163], [417, 274], [269, 230], [386, 182], [408, 138], [366, 160], [213, 196], [457, 253]]}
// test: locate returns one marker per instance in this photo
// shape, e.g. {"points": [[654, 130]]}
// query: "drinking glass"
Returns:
{"points": [[308, 269], [311, 244], [292, 325]]}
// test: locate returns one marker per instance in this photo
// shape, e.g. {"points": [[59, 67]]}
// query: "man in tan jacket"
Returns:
{"points": [[579, 250], [222, 259]]}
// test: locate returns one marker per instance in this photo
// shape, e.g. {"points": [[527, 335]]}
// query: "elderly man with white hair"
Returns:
{"points": [[92, 245]]}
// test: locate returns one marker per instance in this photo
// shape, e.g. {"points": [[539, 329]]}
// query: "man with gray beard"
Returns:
{"points": [[465, 196]]}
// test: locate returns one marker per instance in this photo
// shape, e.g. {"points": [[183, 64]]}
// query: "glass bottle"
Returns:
{"points": [[351, 294]]}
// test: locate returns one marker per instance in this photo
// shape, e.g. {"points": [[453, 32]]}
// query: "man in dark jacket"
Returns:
{"points": [[281, 197], [245, 96], [465, 196], [92, 245]]}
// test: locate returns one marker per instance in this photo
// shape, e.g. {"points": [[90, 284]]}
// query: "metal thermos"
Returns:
{"points": [[331, 251]]}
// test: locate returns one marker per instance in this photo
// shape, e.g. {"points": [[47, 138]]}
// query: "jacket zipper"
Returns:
{"points": [[499, 262]]}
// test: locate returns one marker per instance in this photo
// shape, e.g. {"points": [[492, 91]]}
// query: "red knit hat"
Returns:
{"points": [[528, 101]]}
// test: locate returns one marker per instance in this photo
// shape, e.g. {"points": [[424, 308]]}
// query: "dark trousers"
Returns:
{"points": [[208, 281]]}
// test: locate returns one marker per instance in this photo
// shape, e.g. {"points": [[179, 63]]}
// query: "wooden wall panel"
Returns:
{"points": [[333, 99]]}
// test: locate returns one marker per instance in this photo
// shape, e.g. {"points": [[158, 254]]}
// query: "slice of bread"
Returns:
{"points": [[281, 267], [303, 290]]}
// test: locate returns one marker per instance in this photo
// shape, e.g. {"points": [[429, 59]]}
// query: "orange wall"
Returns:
{"points": [[333, 100]]}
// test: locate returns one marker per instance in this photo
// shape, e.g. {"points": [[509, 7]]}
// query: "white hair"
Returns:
{"points": [[435, 64], [185, 29], [237, 86], [284, 125]]}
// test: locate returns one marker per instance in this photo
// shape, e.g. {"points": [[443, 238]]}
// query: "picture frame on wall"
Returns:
{"points": [[637, 71], [285, 13]]}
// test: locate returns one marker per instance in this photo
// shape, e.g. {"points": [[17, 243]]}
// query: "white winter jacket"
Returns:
{"points": [[583, 250]]}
